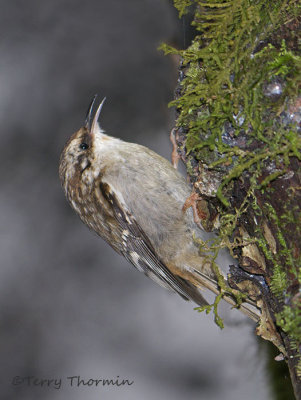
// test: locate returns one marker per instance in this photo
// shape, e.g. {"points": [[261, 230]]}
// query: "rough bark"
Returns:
{"points": [[238, 132]]}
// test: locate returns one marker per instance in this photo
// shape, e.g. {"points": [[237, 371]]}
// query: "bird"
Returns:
{"points": [[134, 199]]}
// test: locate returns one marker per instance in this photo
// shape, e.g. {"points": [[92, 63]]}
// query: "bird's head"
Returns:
{"points": [[80, 151]]}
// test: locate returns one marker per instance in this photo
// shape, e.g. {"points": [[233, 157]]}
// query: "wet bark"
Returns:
{"points": [[263, 196]]}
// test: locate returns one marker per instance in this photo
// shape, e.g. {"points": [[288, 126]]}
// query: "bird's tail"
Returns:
{"points": [[248, 307]]}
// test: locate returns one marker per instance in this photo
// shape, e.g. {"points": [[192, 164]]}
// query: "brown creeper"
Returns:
{"points": [[133, 198]]}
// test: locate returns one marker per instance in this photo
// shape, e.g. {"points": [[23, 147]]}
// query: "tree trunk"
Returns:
{"points": [[238, 132]]}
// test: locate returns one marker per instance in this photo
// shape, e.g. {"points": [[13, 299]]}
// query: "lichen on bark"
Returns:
{"points": [[238, 104]]}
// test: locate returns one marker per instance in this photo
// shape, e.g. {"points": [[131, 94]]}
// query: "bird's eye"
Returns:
{"points": [[83, 146]]}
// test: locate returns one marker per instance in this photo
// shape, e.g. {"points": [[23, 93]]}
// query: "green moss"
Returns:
{"points": [[289, 318], [210, 249], [284, 251], [290, 321], [278, 283], [221, 86], [182, 6], [228, 67], [217, 319]]}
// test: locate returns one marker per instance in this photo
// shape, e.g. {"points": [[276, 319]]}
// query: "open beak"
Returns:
{"points": [[89, 123]]}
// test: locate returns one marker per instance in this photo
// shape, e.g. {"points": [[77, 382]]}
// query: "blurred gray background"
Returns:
{"points": [[69, 305]]}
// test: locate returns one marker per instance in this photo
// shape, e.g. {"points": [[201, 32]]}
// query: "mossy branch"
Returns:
{"points": [[239, 113]]}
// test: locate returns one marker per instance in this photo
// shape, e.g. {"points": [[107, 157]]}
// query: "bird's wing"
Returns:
{"points": [[137, 249]]}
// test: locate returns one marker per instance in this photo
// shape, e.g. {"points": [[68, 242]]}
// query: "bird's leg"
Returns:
{"points": [[175, 157], [198, 214]]}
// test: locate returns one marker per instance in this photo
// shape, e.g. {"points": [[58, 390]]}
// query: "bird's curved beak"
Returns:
{"points": [[89, 113], [89, 123]]}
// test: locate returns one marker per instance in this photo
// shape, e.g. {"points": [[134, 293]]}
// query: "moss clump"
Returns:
{"points": [[290, 321], [220, 88], [217, 319], [237, 104]]}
